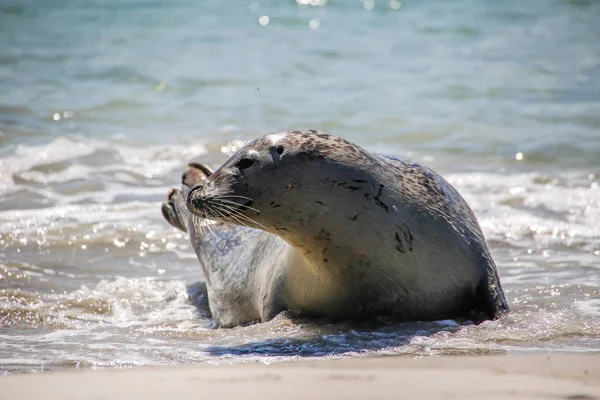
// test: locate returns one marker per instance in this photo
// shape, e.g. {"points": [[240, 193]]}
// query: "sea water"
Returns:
{"points": [[102, 104]]}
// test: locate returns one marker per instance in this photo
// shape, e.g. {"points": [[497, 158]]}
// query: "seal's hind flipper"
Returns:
{"points": [[495, 292], [489, 297]]}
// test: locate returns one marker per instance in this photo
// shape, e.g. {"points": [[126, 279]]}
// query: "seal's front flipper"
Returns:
{"points": [[174, 209], [170, 212]]}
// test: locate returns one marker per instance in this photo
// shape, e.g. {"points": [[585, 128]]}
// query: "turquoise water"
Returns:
{"points": [[103, 102]]}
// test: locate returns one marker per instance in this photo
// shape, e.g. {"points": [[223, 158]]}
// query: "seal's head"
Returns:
{"points": [[283, 180]]}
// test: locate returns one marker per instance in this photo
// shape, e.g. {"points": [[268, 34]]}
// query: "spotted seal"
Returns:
{"points": [[310, 222]]}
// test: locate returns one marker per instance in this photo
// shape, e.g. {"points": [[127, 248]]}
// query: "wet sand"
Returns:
{"points": [[562, 376]]}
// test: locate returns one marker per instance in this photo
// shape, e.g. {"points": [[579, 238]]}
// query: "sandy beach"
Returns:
{"points": [[104, 103], [563, 376]]}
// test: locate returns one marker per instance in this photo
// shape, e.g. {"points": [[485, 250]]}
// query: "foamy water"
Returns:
{"points": [[104, 105]]}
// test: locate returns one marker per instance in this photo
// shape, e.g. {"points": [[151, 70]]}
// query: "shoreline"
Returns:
{"points": [[552, 376]]}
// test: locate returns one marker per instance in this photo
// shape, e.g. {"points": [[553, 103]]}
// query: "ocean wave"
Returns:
{"points": [[70, 166]]}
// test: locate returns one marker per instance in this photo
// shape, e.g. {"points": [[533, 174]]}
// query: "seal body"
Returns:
{"points": [[329, 229]]}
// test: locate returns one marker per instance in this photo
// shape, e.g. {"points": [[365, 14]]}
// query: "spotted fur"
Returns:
{"points": [[342, 233]]}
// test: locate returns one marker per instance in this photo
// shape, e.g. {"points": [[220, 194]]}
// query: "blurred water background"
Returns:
{"points": [[102, 103]]}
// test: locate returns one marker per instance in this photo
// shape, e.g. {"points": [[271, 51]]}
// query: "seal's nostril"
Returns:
{"points": [[197, 186], [194, 198]]}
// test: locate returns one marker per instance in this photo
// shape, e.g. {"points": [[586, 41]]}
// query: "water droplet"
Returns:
{"points": [[264, 20], [519, 156], [56, 117], [395, 4], [314, 24]]}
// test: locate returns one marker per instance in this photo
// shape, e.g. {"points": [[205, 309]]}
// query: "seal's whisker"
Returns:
{"points": [[196, 221], [229, 217], [199, 225], [234, 218], [238, 204], [210, 213], [212, 233], [205, 229], [227, 196], [186, 215], [206, 233], [227, 212], [234, 211], [247, 218], [230, 208]]}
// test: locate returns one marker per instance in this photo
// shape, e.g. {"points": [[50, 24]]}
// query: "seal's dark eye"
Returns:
{"points": [[279, 149], [245, 163]]}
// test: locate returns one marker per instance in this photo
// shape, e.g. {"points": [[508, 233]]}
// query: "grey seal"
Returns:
{"points": [[312, 223]]}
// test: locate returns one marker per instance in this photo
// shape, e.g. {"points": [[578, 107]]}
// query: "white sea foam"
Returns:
{"points": [[127, 165]]}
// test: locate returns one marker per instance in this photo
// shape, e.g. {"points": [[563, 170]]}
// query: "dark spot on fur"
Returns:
{"points": [[399, 245], [276, 205], [325, 260], [338, 183], [353, 188], [279, 149], [378, 201], [353, 218], [320, 202], [358, 181], [407, 238], [281, 229]]}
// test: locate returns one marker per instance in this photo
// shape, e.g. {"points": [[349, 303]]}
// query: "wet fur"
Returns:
{"points": [[336, 231]]}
